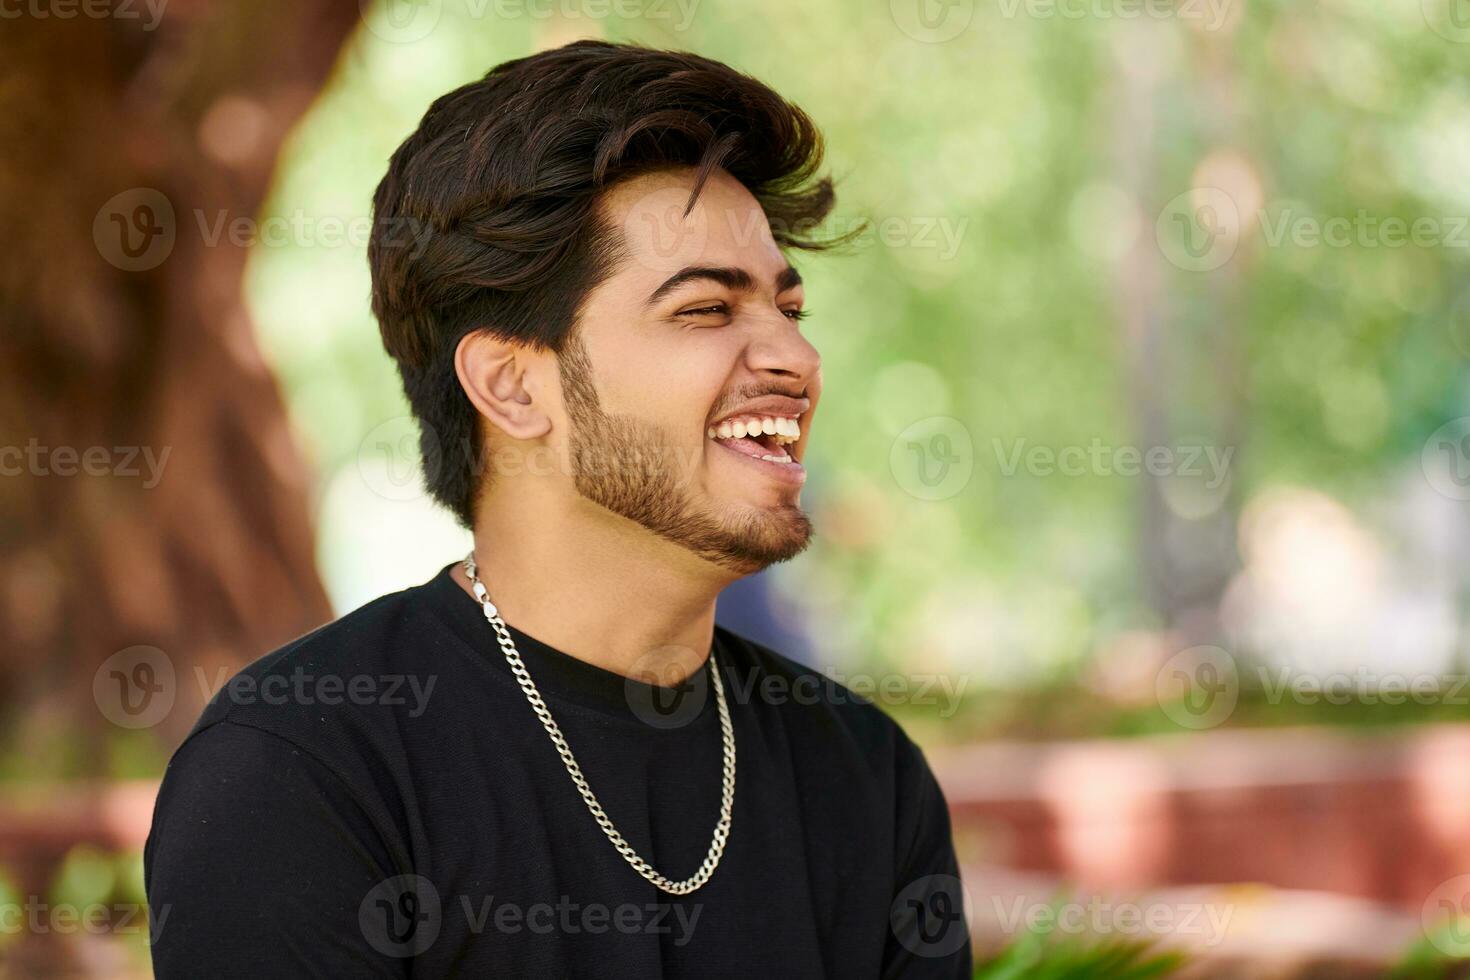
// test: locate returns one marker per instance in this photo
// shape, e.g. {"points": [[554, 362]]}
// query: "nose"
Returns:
{"points": [[778, 349]]}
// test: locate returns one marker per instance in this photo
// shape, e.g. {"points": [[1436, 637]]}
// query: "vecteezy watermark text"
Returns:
{"points": [[1099, 459], [34, 459], [1101, 916]]}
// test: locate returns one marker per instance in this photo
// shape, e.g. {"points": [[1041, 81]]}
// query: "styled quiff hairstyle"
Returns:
{"points": [[488, 220]]}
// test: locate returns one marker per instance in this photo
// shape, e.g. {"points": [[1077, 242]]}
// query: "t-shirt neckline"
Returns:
{"points": [[557, 675]]}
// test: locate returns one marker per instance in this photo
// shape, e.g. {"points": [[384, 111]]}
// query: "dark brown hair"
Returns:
{"points": [[487, 217]]}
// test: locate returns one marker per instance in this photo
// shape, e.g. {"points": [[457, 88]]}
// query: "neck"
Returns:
{"points": [[597, 587]]}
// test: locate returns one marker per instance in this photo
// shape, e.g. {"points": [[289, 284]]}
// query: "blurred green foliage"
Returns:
{"points": [[1022, 179]]}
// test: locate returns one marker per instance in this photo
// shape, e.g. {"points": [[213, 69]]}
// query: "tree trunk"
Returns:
{"points": [[153, 494]]}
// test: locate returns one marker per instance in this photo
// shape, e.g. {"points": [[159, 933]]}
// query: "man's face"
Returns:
{"points": [[692, 341]]}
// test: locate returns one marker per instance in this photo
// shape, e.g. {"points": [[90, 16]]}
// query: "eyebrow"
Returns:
{"points": [[727, 276]]}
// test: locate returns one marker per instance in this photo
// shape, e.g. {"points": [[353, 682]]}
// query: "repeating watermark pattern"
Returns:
{"points": [[301, 230], [404, 915], [677, 702], [565, 917], [41, 918], [303, 687], [1211, 15], [138, 230], [1207, 922], [932, 21], [1211, 463], [135, 230], [401, 916], [397, 458], [671, 227], [137, 688], [661, 699], [1198, 688], [676, 232], [931, 916], [1201, 229], [34, 459], [1445, 459], [1445, 917], [148, 14], [408, 21], [1450, 19], [934, 458]]}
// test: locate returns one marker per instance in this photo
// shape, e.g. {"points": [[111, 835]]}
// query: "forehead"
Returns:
{"points": [[726, 226]]}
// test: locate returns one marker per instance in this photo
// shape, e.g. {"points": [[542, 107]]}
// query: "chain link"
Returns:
{"points": [[727, 737]]}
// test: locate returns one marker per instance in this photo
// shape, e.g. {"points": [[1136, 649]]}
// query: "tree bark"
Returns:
{"points": [[118, 341]]}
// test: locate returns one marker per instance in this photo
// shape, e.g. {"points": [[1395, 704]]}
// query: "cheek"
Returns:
{"points": [[676, 385]]}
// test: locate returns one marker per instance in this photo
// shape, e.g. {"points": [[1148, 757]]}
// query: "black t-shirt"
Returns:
{"points": [[378, 799]]}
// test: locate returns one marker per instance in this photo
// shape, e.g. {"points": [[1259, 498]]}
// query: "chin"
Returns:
{"points": [[758, 536]]}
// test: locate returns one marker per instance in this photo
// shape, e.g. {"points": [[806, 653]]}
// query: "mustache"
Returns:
{"points": [[752, 392]]}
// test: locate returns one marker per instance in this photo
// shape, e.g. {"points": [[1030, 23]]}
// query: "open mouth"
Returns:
{"points": [[763, 437]]}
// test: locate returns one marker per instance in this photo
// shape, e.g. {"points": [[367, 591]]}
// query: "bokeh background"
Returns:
{"points": [[1140, 476]]}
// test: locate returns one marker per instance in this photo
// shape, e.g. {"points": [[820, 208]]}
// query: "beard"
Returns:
{"points": [[629, 467]]}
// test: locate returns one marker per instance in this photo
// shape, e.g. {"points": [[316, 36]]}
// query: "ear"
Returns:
{"points": [[502, 380]]}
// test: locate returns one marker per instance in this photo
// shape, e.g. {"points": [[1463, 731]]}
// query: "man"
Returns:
{"points": [[578, 774]]}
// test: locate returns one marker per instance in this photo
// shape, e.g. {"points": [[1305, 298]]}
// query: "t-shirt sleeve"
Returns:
{"points": [[260, 863], [928, 935]]}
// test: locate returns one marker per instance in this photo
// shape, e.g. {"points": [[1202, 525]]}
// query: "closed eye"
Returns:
{"points": [[716, 310]]}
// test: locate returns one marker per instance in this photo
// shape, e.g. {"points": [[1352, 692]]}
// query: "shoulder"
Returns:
{"points": [[368, 658], [340, 696]]}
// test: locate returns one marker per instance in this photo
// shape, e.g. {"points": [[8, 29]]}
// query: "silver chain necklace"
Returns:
{"points": [[727, 737]]}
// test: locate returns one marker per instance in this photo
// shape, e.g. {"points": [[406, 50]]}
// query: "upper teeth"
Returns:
{"points": [[785, 430]]}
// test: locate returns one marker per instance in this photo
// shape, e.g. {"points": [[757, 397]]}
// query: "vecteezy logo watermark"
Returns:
{"points": [[1445, 459], [1450, 19], [673, 705], [672, 229], [138, 229], [1445, 917], [660, 698], [930, 916], [1198, 688], [137, 688], [933, 459], [401, 916], [1098, 459], [393, 457], [1199, 230], [135, 230], [932, 21], [124, 10], [1098, 916], [134, 688], [1210, 14]]}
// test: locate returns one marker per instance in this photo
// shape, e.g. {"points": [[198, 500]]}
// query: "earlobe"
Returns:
{"points": [[499, 378]]}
